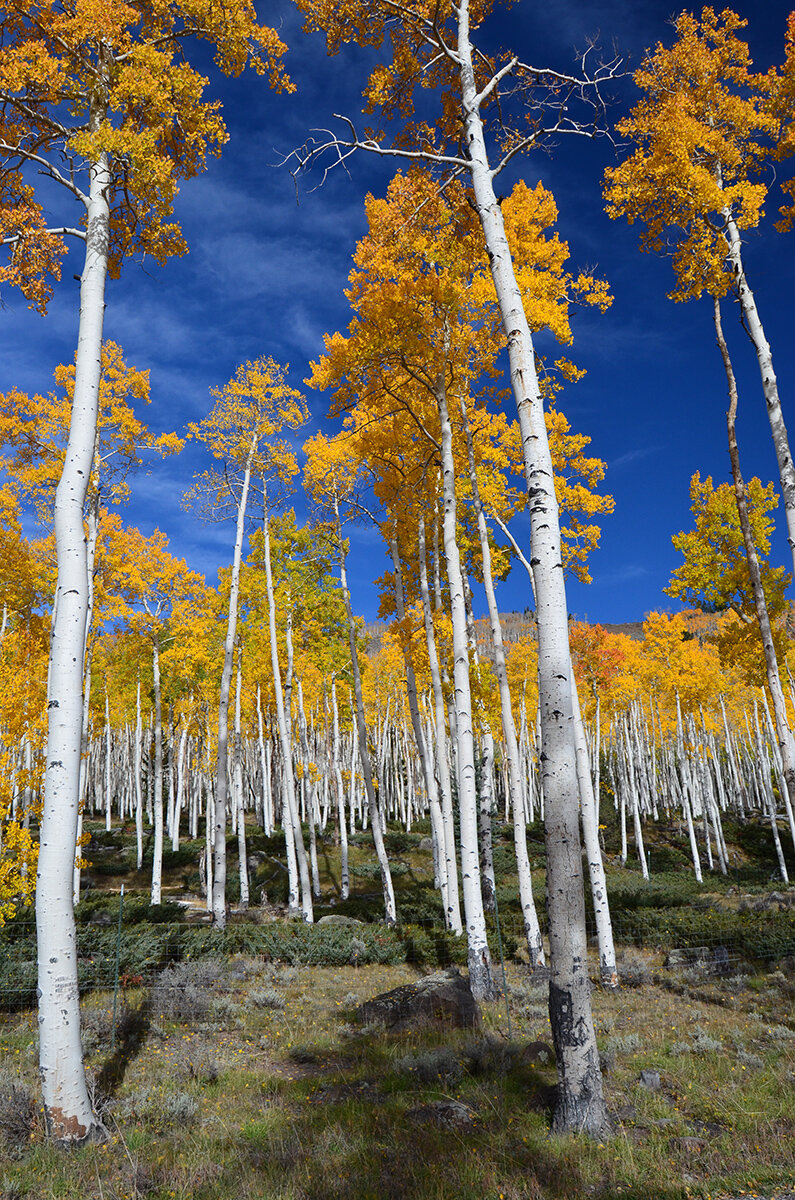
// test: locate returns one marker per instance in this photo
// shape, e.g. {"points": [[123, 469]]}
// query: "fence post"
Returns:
{"points": [[116, 972]]}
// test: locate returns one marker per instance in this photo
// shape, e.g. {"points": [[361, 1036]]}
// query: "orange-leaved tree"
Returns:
{"points": [[703, 131], [704, 128], [243, 431], [715, 576], [101, 100], [491, 107]]}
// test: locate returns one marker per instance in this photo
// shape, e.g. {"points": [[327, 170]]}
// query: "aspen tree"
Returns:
{"points": [[251, 410], [154, 588], [434, 46], [732, 538], [703, 131], [330, 476], [114, 115]]}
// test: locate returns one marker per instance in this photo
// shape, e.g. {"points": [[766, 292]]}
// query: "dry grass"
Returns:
{"points": [[293, 1103]]}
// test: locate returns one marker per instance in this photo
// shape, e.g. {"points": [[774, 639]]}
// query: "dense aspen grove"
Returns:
{"points": [[137, 693]]}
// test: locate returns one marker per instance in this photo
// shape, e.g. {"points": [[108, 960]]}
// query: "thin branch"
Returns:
{"points": [[62, 231], [495, 80], [49, 169], [498, 521]]}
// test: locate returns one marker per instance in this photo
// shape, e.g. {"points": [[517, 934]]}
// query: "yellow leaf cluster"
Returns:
{"points": [[701, 131], [107, 78]]}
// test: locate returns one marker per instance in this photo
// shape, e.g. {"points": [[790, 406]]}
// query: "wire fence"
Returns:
{"points": [[121, 950]]}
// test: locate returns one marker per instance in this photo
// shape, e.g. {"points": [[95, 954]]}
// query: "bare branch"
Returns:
{"points": [[48, 168], [495, 80], [61, 231], [306, 155]]}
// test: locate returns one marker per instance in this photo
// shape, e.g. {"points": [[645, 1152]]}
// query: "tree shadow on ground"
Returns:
{"points": [[132, 1028]]}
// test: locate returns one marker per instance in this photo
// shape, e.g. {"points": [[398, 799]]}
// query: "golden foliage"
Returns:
{"points": [[109, 79], [701, 131]]}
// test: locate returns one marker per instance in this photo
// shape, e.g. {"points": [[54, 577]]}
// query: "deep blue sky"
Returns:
{"points": [[266, 271]]}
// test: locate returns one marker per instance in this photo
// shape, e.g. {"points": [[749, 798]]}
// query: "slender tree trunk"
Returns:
{"points": [[535, 946], [345, 882], [242, 853], [429, 778], [783, 733], [478, 957], [180, 787], [221, 784], [67, 1107], [139, 794], [453, 907], [764, 356], [390, 912], [289, 800], [309, 785], [580, 1103], [157, 803]]}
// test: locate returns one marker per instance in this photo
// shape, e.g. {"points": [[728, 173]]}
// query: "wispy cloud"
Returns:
{"points": [[637, 454]]}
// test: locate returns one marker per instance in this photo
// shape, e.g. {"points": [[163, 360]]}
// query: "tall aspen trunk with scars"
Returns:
{"points": [[390, 912], [535, 947], [580, 1103], [157, 801], [428, 776], [67, 1108], [221, 778], [783, 733], [289, 801], [478, 957], [240, 808], [756, 332], [453, 906]]}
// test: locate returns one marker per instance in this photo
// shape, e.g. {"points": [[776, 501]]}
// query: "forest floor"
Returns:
{"points": [[248, 1078]]}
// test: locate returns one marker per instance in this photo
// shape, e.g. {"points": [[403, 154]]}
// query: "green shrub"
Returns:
{"points": [[432, 947], [397, 841], [765, 936]]}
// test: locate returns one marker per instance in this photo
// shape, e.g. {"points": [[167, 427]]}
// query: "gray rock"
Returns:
{"points": [[650, 1080], [451, 1114], [538, 1054], [425, 843], [690, 1145], [687, 956], [338, 919], [444, 998]]}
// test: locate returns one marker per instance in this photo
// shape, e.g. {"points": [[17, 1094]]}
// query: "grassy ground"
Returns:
{"points": [[248, 1078]]}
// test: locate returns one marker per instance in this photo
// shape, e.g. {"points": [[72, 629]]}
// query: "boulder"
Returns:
{"points": [[450, 1114], [688, 956], [444, 998], [650, 1080], [538, 1054], [425, 843], [338, 919]]}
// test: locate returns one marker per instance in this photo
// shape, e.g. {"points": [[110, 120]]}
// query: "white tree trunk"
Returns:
{"points": [[221, 780], [242, 853], [289, 801], [764, 356], [345, 882], [390, 912], [429, 778], [453, 905], [535, 946], [478, 957], [157, 803], [67, 1108], [580, 1103]]}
